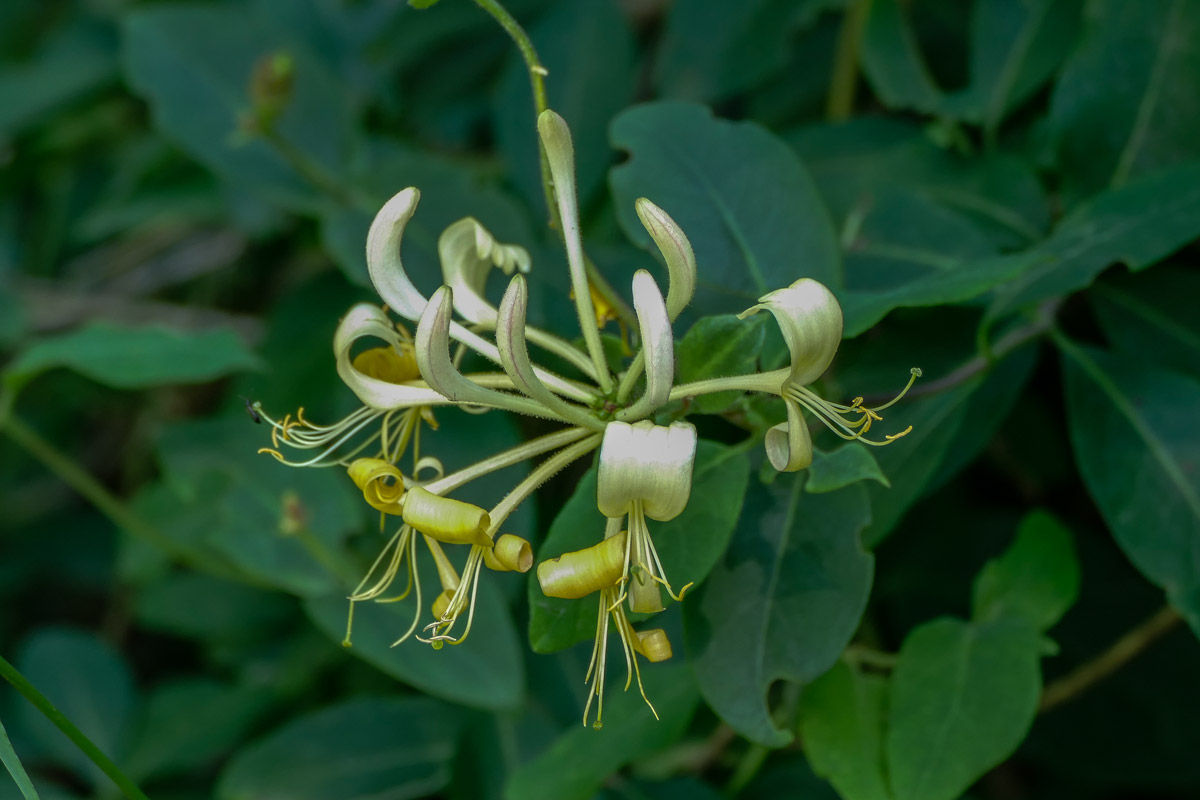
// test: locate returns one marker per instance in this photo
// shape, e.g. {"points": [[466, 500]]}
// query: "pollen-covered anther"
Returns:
{"points": [[445, 519], [582, 572], [511, 553], [381, 483]]}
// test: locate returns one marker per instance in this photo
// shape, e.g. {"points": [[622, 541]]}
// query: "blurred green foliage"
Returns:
{"points": [[1004, 193]]}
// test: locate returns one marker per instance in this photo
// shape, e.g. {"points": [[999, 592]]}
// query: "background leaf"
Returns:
{"points": [[841, 722], [1035, 580], [783, 602]]}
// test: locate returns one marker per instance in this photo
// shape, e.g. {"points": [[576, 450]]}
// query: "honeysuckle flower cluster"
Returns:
{"points": [[644, 470]]}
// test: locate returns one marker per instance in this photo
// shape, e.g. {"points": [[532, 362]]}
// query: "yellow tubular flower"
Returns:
{"points": [[445, 519]]}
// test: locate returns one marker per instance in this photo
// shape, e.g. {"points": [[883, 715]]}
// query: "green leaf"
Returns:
{"points": [[194, 65], [135, 358], [892, 61], [746, 203], [842, 467], [579, 762], [189, 723], [485, 671], [782, 604], [589, 50], [1015, 48], [381, 748], [1036, 580], [90, 684], [841, 723], [1137, 224], [711, 49], [1151, 316], [1133, 432], [716, 347], [1128, 102], [8, 757], [963, 696], [689, 545]]}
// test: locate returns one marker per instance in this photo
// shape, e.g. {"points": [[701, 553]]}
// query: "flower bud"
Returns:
{"points": [[648, 463], [381, 483], [581, 572], [445, 519], [510, 554]]}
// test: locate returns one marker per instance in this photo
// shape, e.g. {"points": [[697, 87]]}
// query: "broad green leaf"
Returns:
{"points": [[689, 545], [135, 358], [963, 696], [1151, 316], [839, 468], [233, 612], [582, 759], [88, 682], [20, 777], [1015, 48], [1137, 224], [744, 200], [1036, 580], [485, 671], [189, 724], [1133, 432], [841, 723], [194, 65], [782, 604], [1128, 102], [381, 748], [711, 49], [892, 61], [716, 347], [589, 50], [450, 190]]}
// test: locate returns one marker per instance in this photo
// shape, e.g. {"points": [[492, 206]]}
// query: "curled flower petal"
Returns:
{"points": [[658, 346], [810, 320], [381, 483], [676, 251], [648, 463], [383, 255], [653, 644], [582, 572], [789, 444], [511, 553], [365, 320], [446, 519], [468, 252]]}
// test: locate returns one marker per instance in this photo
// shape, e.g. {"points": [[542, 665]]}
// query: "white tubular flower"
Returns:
{"points": [[810, 320], [676, 251], [383, 255], [658, 346], [468, 252], [645, 471]]}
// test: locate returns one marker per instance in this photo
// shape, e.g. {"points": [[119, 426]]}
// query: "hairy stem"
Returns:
{"points": [[39, 701]]}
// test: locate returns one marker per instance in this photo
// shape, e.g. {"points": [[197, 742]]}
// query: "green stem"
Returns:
{"points": [[313, 172], [844, 80], [39, 701], [747, 767], [105, 502]]}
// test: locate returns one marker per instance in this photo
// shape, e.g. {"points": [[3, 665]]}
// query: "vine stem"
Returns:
{"points": [[1120, 653], [97, 757], [844, 79], [537, 74]]}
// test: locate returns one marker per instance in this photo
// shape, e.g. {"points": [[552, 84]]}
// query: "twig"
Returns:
{"points": [[1122, 651]]}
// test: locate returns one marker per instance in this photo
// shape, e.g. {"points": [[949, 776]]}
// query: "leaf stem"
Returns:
{"points": [[1120, 653], [844, 80], [39, 701]]}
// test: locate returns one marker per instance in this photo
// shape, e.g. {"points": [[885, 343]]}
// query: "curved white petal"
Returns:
{"points": [[810, 320], [367, 320], [676, 251], [383, 255], [658, 345], [514, 356], [468, 252], [646, 462], [788, 444]]}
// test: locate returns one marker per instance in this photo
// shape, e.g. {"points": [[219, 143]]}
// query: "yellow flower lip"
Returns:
{"points": [[445, 519], [381, 483], [581, 572]]}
